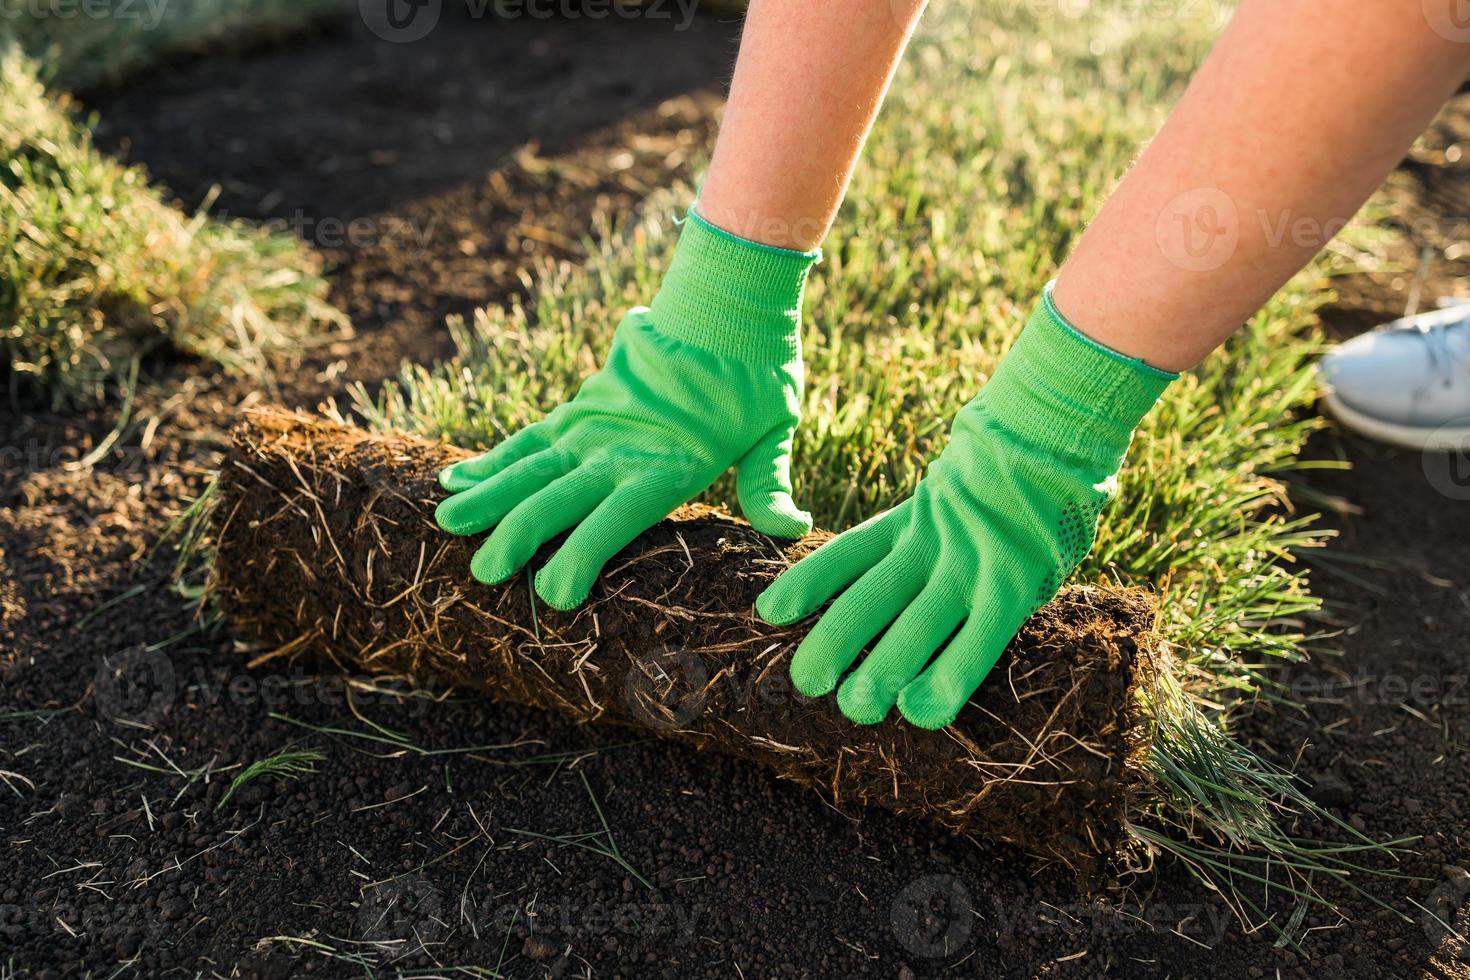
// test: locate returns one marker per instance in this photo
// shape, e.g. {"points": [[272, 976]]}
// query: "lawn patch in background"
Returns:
{"points": [[87, 44], [97, 268]]}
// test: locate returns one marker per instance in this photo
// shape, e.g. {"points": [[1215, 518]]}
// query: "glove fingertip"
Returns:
{"points": [[812, 683], [861, 701], [487, 577], [487, 566], [557, 593], [792, 526], [458, 484], [773, 606], [445, 517], [778, 516], [923, 706]]}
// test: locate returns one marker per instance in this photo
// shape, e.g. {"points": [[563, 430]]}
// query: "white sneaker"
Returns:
{"points": [[1406, 383]]}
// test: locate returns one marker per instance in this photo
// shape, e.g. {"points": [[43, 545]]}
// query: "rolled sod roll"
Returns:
{"points": [[326, 547]]}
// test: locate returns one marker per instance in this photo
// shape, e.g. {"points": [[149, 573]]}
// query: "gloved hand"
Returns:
{"points": [[708, 377], [998, 522]]}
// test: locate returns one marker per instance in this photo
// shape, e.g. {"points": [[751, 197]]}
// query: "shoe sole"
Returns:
{"points": [[1445, 438]]}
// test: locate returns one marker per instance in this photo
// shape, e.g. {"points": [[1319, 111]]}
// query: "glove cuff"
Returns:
{"points": [[1069, 395], [732, 297]]}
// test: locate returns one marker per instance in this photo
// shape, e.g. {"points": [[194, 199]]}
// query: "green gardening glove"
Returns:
{"points": [[708, 377], [998, 522]]}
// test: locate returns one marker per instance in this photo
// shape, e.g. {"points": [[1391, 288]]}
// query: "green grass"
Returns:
{"points": [[97, 268], [286, 764], [597, 841], [1005, 130], [79, 50]]}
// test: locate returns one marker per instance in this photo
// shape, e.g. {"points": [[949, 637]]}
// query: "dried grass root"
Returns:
{"points": [[325, 546]]}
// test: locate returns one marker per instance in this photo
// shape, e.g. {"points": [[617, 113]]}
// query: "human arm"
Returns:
{"points": [[1294, 118]]}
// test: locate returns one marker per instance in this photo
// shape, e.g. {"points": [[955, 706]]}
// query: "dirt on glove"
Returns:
{"points": [[326, 547]]}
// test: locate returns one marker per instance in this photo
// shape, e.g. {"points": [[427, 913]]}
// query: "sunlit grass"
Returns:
{"points": [[97, 268], [84, 44]]}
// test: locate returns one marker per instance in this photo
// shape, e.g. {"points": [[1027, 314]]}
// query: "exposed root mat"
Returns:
{"points": [[326, 546]]}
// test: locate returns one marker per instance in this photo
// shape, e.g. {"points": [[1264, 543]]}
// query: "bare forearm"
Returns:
{"points": [[808, 83], [1296, 116]]}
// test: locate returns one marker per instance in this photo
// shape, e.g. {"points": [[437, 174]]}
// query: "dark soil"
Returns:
{"points": [[414, 842], [431, 173]]}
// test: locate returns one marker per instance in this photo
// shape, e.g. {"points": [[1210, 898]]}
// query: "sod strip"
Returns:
{"points": [[326, 546]]}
